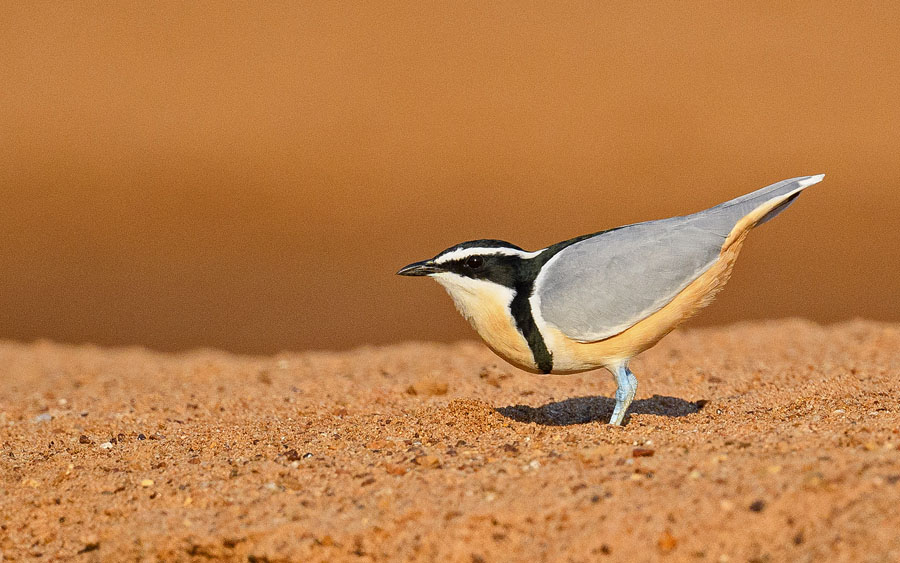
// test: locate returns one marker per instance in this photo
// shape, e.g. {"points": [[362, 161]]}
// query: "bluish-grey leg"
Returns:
{"points": [[626, 388]]}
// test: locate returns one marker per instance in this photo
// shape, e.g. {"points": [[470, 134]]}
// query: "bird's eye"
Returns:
{"points": [[474, 262]]}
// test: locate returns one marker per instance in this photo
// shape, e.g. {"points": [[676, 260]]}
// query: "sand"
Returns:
{"points": [[772, 441]]}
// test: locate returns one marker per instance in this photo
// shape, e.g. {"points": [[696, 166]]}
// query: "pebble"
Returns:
{"points": [[642, 452], [428, 386], [590, 455], [666, 542], [427, 461], [106, 446], [758, 505], [43, 417], [147, 483], [393, 469]]}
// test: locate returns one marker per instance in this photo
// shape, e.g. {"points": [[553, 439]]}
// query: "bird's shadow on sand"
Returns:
{"points": [[582, 410]]}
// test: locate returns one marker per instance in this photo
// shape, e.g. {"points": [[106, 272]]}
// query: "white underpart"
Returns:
{"points": [[466, 252], [474, 297]]}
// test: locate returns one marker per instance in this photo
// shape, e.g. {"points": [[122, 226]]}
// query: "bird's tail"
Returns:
{"points": [[760, 206], [743, 213], [781, 194]]}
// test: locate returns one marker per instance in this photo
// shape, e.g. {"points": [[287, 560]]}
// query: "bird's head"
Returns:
{"points": [[469, 266], [483, 277]]}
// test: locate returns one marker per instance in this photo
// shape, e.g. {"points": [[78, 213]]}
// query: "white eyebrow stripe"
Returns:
{"points": [[466, 252]]}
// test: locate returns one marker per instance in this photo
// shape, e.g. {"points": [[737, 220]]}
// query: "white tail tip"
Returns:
{"points": [[810, 180]]}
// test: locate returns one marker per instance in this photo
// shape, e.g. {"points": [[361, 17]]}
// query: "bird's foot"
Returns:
{"points": [[625, 391]]}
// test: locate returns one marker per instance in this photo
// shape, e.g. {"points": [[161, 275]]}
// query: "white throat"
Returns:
{"points": [[486, 305], [475, 299]]}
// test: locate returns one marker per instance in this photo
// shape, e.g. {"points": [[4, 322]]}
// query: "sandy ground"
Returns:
{"points": [[755, 442]]}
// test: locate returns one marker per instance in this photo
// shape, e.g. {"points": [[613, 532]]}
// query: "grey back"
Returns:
{"points": [[601, 286]]}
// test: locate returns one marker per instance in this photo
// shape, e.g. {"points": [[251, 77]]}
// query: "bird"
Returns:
{"points": [[598, 300]]}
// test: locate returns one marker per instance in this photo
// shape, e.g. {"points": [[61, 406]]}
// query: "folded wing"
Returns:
{"points": [[603, 285]]}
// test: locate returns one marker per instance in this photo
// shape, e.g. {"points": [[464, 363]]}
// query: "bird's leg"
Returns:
{"points": [[626, 388]]}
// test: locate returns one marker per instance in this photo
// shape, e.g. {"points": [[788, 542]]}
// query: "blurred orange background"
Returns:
{"points": [[250, 175]]}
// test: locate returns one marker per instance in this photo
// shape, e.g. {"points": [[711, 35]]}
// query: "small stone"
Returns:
{"points": [[291, 483], [813, 479], [90, 542], [393, 469], [642, 452], [147, 483], [141, 437], [106, 446], [84, 440], [695, 474], [758, 505], [666, 542], [428, 386], [427, 461], [378, 445], [307, 455], [590, 455], [43, 417]]}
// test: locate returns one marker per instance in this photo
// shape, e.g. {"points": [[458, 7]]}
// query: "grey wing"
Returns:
{"points": [[601, 286]]}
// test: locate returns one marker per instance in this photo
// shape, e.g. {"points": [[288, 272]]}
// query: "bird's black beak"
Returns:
{"points": [[423, 268]]}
